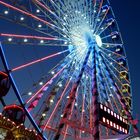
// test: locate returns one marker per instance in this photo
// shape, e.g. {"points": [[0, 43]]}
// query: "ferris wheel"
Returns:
{"points": [[67, 67]]}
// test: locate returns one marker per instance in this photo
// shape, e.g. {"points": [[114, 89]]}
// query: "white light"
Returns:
{"points": [[101, 106], [51, 101], [25, 40], [104, 108], [60, 85], [22, 18], [39, 25], [83, 110], [43, 114], [6, 12], [109, 54], [110, 95], [98, 40], [104, 119], [41, 41], [108, 110], [68, 97], [61, 115], [30, 93], [38, 11], [83, 131], [9, 39], [111, 123], [107, 121], [52, 72], [41, 83], [76, 104]]}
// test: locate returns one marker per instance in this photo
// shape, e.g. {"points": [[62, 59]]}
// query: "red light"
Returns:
{"points": [[107, 121], [111, 123], [117, 126], [120, 128], [104, 120], [125, 131], [104, 108]]}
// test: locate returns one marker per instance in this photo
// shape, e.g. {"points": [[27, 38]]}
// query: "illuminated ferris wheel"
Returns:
{"points": [[67, 67]]}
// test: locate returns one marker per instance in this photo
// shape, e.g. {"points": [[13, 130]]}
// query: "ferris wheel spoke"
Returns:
{"points": [[101, 80], [31, 37], [112, 71], [53, 27], [112, 52], [115, 76], [57, 104], [107, 81], [57, 7], [44, 6], [113, 60], [28, 26], [49, 102], [38, 60], [109, 85], [111, 65], [98, 14], [112, 44], [46, 84], [82, 112], [69, 117], [52, 72], [106, 27], [102, 20]]}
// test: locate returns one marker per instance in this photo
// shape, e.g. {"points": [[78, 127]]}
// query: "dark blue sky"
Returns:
{"points": [[128, 17]]}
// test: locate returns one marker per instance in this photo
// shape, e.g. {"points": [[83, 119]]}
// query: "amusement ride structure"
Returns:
{"points": [[64, 72]]}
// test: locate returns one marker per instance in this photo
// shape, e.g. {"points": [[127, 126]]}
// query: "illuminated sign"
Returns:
{"points": [[112, 120]]}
